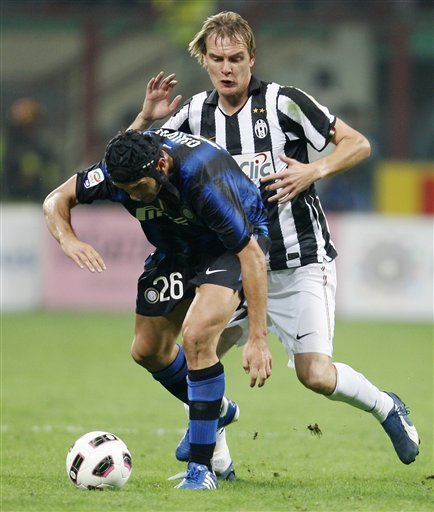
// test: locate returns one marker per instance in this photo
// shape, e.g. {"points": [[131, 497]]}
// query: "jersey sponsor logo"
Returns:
{"points": [[209, 272], [147, 213], [261, 129], [256, 165], [93, 178]]}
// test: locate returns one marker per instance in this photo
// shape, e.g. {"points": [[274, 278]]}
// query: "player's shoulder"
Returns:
{"points": [[97, 169], [199, 97], [93, 180], [293, 92], [290, 91]]}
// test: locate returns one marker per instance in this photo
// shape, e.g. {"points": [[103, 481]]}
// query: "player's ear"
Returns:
{"points": [[204, 61], [252, 58], [162, 163]]}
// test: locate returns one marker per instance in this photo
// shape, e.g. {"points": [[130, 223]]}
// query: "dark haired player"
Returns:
{"points": [[209, 227]]}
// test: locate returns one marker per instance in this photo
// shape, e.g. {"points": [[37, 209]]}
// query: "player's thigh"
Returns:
{"points": [[209, 313], [153, 333], [155, 337], [281, 313], [218, 294], [301, 308]]}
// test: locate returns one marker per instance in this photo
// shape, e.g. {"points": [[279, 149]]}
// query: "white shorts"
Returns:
{"points": [[301, 309]]}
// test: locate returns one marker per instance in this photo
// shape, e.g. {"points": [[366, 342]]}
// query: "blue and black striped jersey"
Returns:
{"points": [[275, 120], [218, 207]]}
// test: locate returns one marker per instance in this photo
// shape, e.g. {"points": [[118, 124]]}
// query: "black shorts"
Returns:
{"points": [[171, 278]]}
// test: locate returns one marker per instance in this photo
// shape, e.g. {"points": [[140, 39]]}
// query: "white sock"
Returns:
{"points": [[221, 456], [355, 389]]}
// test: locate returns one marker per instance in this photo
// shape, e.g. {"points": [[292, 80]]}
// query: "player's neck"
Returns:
{"points": [[230, 105]]}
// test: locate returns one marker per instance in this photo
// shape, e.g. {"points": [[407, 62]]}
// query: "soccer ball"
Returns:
{"points": [[99, 460]]}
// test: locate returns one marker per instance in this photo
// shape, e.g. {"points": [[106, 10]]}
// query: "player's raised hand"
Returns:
{"points": [[292, 180], [83, 254], [157, 103], [257, 362]]}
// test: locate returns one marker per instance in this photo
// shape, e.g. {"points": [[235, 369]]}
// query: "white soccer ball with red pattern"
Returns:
{"points": [[99, 460]]}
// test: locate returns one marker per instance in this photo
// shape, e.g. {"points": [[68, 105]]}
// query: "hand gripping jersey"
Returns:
{"points": [[217, 207], [275, 120]]}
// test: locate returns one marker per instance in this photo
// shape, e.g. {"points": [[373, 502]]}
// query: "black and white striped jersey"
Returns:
{"points": [[273, 121]]}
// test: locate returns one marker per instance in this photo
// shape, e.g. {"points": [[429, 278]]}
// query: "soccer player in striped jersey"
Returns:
{"points": [[267, 127]]}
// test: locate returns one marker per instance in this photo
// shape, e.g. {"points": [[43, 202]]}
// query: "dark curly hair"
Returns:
{"points": [[131, 155]]}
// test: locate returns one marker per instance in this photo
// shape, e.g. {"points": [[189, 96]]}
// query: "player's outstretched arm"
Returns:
{"points": [[351, 148], [256, 354], [57, 211], [157, 103]]}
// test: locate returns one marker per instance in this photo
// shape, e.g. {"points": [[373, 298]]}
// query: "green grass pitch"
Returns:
{"points": [[64, 374]]}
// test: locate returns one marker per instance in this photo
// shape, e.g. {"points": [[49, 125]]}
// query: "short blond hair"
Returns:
{"points": [[224, 24]]}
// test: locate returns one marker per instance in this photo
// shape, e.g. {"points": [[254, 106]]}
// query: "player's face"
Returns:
{"points": [[145, 189], [229, 67]]}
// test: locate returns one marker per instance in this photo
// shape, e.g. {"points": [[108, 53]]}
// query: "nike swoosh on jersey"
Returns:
{"points": [[299, 336], [208, 271]]}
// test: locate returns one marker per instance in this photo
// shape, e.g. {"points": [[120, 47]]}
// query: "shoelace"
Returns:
{"points": [[402, 410], [193, 473]]}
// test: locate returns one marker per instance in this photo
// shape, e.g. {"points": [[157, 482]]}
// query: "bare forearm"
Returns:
{"points": [[57, 210], [257, 358], [140, 123], [351, 148], [347, 154], [253, 269]]}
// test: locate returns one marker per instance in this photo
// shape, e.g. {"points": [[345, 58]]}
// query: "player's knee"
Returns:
{"points": [[140, 352], [192, 339], [196, 341], [149, 355], [315, 378]]}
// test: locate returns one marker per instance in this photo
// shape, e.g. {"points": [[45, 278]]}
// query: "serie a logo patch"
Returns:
{"points": [[94, 177]]}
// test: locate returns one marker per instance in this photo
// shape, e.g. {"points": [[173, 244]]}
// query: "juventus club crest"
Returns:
{"points": [[261, 129]]}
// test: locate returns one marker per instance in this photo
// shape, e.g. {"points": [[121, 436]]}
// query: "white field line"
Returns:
{"points": [[160, 432]]}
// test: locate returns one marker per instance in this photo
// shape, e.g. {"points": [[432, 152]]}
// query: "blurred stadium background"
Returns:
{"points": [[74, 72]]}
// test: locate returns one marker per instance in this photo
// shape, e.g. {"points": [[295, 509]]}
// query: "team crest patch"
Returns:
{"points": [[94, 177], [261, 129], [151, 295]]}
